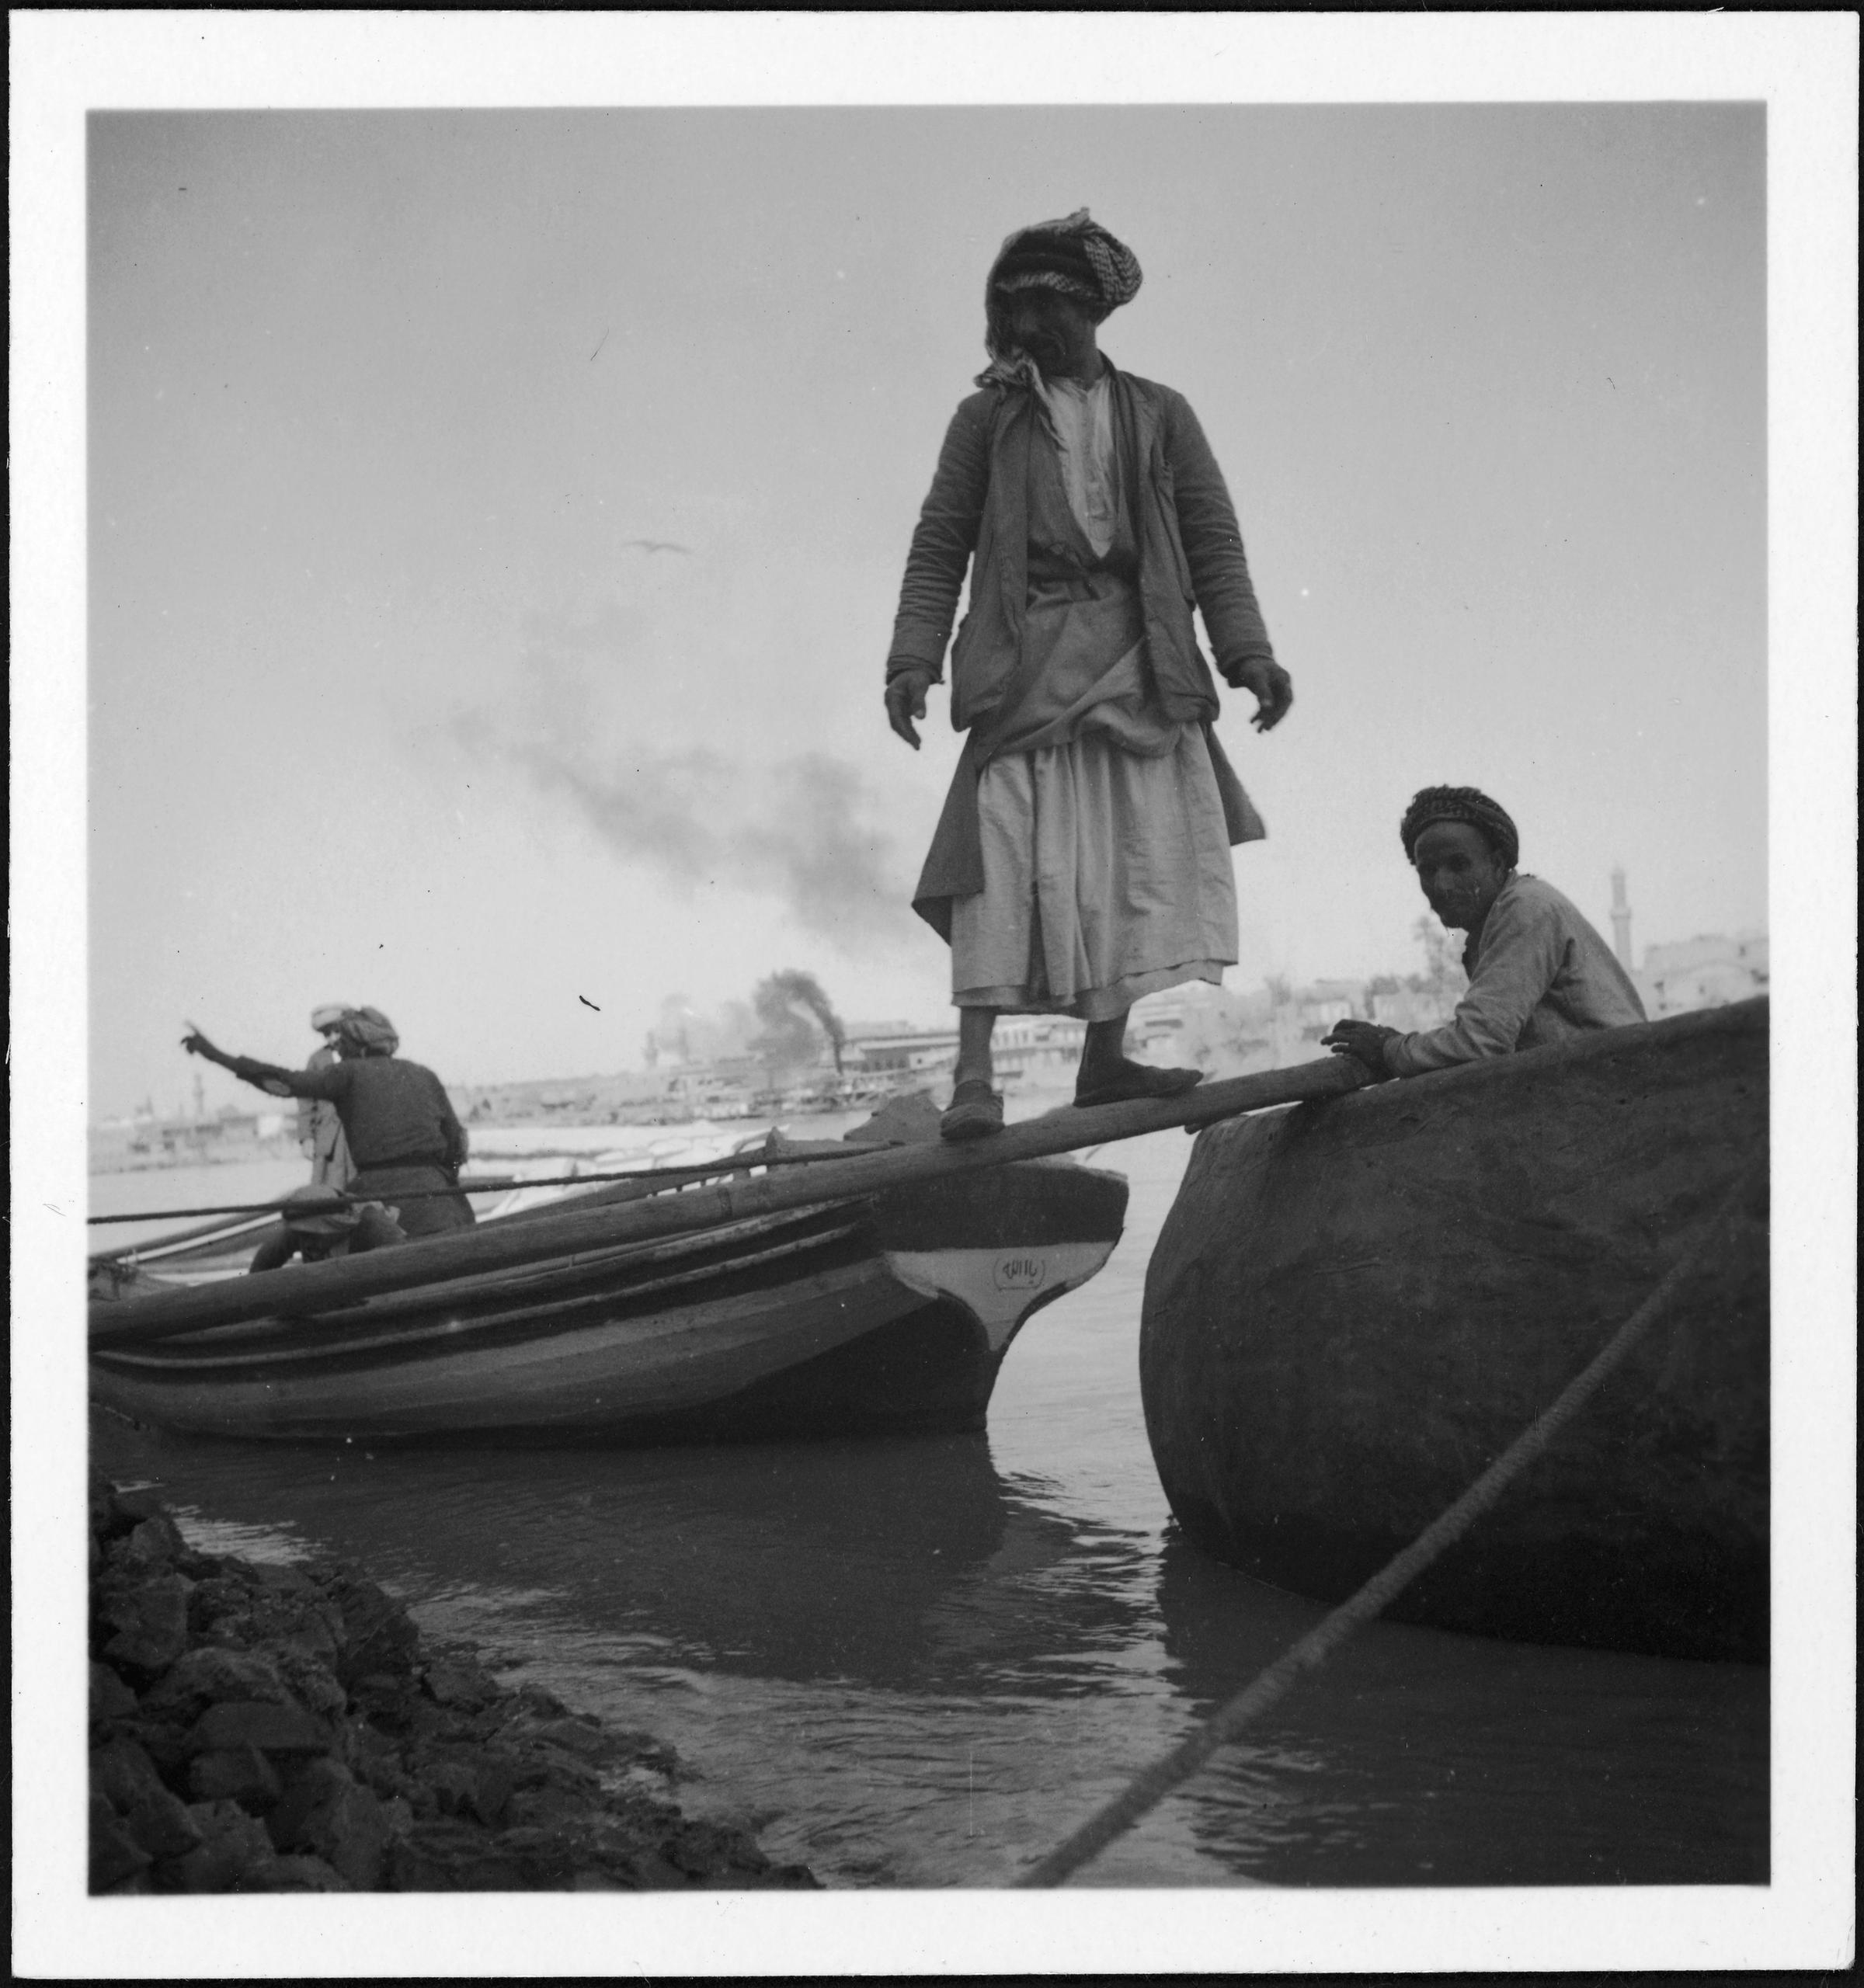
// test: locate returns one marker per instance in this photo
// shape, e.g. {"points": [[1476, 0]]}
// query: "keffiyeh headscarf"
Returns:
{"points": [[1076, 257], [369, 1032], [1461, 804]]}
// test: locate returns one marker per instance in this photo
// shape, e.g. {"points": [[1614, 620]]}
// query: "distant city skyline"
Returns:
{"points": [[1685, 969]]}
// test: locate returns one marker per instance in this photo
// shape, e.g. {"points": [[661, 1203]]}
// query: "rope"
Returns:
{"points": [[697, 1171], [1147, 1789]]}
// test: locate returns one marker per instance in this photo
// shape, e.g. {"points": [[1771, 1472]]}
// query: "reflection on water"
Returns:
{"points": [[922, 1662], [1431, 1758]]}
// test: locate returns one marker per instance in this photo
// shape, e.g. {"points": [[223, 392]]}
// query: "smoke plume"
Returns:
{"points": [[806, 828], [787, 1004]]}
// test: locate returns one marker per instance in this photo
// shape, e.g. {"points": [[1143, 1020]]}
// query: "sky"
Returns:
{"points": [[389, 704]]}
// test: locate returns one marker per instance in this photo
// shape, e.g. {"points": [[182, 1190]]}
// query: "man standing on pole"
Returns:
{"points": [[1081, 859]]}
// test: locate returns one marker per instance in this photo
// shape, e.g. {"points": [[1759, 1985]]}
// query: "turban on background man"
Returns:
{"points": [[1460, 803], [370, 1032]]}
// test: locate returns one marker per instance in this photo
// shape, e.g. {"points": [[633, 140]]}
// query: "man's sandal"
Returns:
{"points": [[1140, 1080], [975, 1112]]}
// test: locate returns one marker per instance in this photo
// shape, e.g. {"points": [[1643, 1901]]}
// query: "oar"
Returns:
{"points": [[302, 1288]]}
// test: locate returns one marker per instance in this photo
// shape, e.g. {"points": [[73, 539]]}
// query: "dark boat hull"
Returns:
{"points": [[1355, 1307], [887, 1317]]}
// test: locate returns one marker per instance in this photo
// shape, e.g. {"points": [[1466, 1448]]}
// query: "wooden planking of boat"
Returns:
{"points": [[889, 1314], [1354, 1307]]}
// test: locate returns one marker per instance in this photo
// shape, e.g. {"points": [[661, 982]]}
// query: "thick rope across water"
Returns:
{"points": [[1147, 1790]]}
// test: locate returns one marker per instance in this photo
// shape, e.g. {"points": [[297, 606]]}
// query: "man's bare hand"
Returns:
{"points": [[1364, 1042], [1274, 688], [906, 701]]}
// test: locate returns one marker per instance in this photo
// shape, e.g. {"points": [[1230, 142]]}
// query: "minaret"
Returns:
{"points": [[1621, 919]]}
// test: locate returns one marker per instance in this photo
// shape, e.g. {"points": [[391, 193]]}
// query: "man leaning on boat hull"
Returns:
{"points": [[1539, 973]]}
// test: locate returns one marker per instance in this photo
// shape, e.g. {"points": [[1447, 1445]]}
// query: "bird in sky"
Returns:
{"points": [[657, 545], [587, 1002]]}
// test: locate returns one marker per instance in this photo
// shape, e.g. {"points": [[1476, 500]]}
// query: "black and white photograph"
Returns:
{"points": [[933, 957]]}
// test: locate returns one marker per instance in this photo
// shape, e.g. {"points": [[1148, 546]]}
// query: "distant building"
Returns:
{"points": [[1708, 972], [1036, 1049], [1411, 1009], [1621, 918], [127, 1144], [903, 1052]]}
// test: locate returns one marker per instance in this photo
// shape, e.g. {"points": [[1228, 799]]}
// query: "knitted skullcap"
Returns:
{"points": [[1461, 804]]}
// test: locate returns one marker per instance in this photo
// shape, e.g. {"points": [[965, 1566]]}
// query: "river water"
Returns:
{"points": [[921, 1664]]}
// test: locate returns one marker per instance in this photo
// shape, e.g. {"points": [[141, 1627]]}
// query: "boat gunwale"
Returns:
{"points": [[196, 1359]]}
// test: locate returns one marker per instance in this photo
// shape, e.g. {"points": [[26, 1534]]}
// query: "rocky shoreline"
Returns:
{"points": [[287, 1729]]}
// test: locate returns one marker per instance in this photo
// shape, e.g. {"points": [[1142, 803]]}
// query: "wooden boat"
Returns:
{"points": [[888, 1313], [1354, 1307]]}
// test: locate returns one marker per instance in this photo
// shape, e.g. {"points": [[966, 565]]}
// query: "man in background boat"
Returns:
{"points": [[1083, 856], [320, 1131], [1538, 972], [405, 1141], [319, 1222]]}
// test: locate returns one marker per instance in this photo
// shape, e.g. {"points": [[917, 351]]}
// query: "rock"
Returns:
{"points": [[702, 1850], [166, 1745], [306, 1699], [150, 1617], [123, 1773], [453, 1857], [235, 1853], [539, 1703], [575, 1735], [153, 1542], [562, 1770], [273, 1729], [139, 1884], [547, 1808], [481, 1787], [389, 1702], [163, 1825], [110, 1697], [325, 1813], [374, 1760], [208, 1676], [352, 1833], [307, 1874], [128, 1509], [313, 1684], [221, 1597], [280, 1577], [292, 1619], [462, 1685], [234, 1774], [115, 1854], [315, 1783], [378, 1635]]}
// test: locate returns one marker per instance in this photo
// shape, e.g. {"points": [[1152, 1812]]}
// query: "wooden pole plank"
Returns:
{"points": [[303, 1289]]}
